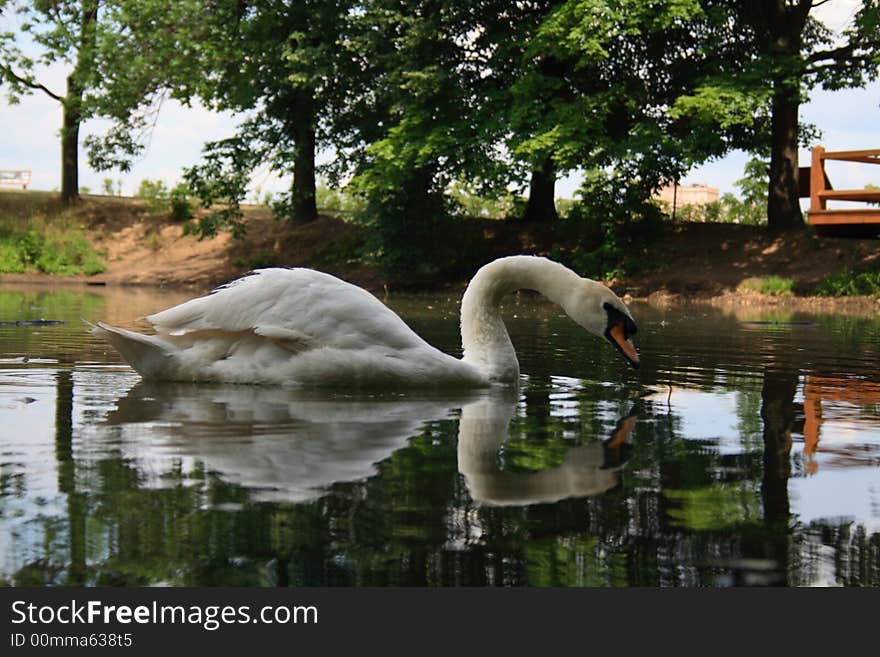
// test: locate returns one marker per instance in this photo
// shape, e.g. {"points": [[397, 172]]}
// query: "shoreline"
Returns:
{"points": [[726, 300], [757, 301]]}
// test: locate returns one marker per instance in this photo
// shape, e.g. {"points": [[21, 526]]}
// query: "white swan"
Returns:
{"points": [[299, 326]]}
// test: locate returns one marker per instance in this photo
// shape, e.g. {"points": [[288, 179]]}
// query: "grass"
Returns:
{"points": [[848, 283], [42, 237], [776, 286]]}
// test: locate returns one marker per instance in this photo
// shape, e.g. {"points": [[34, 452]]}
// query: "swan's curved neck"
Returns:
{"points": [[484, 337]]}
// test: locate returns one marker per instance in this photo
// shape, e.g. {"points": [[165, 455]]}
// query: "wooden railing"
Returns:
{"points": [[821, 191]]}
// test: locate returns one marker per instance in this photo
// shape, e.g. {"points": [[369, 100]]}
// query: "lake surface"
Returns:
{"points": [[745, 451]]}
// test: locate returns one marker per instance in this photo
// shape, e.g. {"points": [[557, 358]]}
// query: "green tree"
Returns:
{"points": [[285, 65], [118, 53], [66, 32], [785, 52], [593, 84], [532, 89], [422, 119], [751, 207], [497, 93]]}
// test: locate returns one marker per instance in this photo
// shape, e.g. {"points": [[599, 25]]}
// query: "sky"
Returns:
{"points": [[29, 136]]}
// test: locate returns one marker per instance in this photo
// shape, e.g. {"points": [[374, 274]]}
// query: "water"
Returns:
{"points": [[746, 450]]}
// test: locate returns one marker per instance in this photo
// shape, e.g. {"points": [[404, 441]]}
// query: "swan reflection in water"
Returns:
{"points": [[588, 469], [290, 445]]}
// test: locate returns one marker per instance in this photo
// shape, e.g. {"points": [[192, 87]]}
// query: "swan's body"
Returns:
{"points": [[303, 327]]}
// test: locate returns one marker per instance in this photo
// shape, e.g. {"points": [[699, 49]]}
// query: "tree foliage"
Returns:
{"points": [[417, 99], [426, 123], [150, 52]]}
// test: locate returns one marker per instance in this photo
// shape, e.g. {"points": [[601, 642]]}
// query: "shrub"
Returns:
{"points": [[65, 252], [608, 228], [160, 199], [155, 193], [776, 286], [473, 204], [410, 231], [336, 202], [107, 186], [413, 225], [181, 207], [848, 282], [11, 261], [69, 254]]}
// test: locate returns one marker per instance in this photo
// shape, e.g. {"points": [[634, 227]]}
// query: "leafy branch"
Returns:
{"points": [[28, 82]]}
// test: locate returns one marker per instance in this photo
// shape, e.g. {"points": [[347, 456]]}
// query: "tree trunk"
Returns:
{"points": [[304, 205], [77, 509], [778, 415], [783, 197], [785, 22], [541, 206], [70, 144], [72, 103]]}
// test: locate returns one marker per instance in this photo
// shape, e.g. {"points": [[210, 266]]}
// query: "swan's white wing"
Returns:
{"points": [[294, 326], [301, 307]]}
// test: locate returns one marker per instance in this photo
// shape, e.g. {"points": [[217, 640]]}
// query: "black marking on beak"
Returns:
{"points": [[618, 332]]}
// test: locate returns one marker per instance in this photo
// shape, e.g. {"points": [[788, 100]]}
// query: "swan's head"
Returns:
{"points": [[602, 313]]}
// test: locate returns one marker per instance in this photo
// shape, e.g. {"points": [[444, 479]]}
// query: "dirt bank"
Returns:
{"points": [[716, 262], [707, 262]]}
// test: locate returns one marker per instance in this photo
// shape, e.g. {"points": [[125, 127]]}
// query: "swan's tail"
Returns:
{"points": [[148, 354]]}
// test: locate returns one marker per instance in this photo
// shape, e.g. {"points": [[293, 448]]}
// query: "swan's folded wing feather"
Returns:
{"points": [[293, 341], [300, 306]]}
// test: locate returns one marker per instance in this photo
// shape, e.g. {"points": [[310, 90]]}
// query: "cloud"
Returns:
{"points": [[837, 15]]}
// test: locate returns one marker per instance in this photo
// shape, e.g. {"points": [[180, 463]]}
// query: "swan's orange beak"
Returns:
{"points": [[617, 335]]}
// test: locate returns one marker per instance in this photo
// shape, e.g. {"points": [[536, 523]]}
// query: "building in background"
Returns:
{"points": [[679, 196]]}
